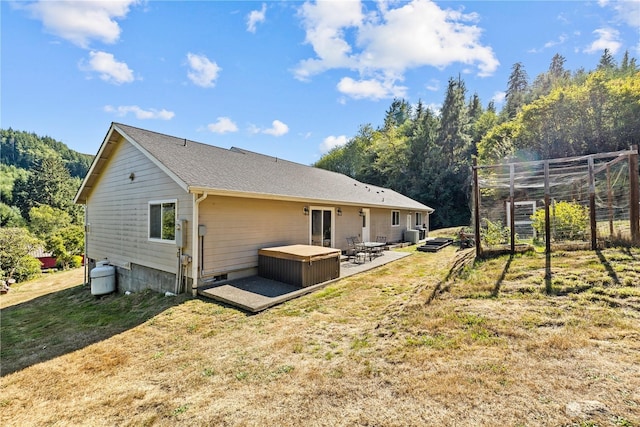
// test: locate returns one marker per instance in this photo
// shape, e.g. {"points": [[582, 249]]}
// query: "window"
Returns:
{"points": [[395, 218], [162, 220], [419, 219]]}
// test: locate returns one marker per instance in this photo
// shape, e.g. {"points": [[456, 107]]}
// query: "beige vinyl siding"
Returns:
{"points": [[238, 227], [349, 224], [381, 225], [118, 208]]}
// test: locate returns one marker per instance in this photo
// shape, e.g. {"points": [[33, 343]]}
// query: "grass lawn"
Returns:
{"points": [[432, 339]]}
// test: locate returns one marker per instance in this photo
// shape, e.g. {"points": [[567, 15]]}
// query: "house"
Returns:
{"points": [[172, 214]]}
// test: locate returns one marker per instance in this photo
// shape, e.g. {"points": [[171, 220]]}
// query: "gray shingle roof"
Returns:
{"points": [[206, 167]]}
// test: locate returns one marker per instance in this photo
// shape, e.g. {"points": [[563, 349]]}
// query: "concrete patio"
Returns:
{"points": [[256, 293]]}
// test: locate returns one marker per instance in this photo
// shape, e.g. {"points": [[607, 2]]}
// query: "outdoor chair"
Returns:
{"points": [[380, 249], [355, 250]]}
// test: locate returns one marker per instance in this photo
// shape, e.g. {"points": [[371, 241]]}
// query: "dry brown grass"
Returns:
{"points": [[47, 284], [407, 344]]}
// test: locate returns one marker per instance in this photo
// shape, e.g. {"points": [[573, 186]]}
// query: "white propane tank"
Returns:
{"points": [[103, 279]]}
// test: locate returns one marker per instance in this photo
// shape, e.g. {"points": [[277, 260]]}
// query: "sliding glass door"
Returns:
{"points": [[321, 227]]}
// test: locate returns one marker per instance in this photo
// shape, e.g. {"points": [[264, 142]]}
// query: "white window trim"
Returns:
{"points": [[159, 202], [419, 223], [398, 224]]}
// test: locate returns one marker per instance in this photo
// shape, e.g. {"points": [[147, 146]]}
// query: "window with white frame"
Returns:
{"points": [[419, 219], [395, 218], [162, 220]]}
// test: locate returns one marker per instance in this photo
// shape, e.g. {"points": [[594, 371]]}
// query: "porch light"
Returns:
{"points": [[339, 211], [361, 213], [305, 210]]}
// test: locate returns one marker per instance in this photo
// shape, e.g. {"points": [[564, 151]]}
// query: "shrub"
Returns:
{"points": [[65, 244], [495, 233], [15, 245], [28, 268], [568, 220]]}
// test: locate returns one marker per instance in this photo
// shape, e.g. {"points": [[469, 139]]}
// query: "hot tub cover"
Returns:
{"points": [[303, 253]]}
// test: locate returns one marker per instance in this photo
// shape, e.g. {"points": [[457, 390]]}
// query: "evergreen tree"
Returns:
{"points": [[516, 90], [607, 61], [49, 183], [546, 82], [397, 114], [453, 138], [474, 108], [421, 147], [628, 65], [449, 166], [557, 73]]}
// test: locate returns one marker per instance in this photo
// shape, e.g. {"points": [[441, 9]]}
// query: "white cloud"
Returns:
{"points": [[552, 43], [81, 21], [109, 69], [435, 108], [382, 44], [371, 89], [608, 38], [203, 72], [277, 128], [255, 17], [433, 85], [325, 23], [628, 11], [499, 97], [141, 114], [223, 125], [332, 142]]}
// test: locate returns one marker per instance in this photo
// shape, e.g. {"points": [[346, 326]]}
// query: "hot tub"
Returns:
{"points": [[299, 265]]}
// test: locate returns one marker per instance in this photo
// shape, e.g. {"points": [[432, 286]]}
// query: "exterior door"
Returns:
{"points": [[322, 227], [366, 226]]}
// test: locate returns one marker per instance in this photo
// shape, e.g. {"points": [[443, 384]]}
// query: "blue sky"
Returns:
{"points": [[285, 78]]}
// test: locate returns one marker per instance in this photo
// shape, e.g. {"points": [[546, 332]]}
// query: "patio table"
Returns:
{"points": [[369, 247]]}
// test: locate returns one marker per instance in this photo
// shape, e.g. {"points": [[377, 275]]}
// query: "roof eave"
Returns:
{"points": [[280, 197], [92, 174], [103, 156]]}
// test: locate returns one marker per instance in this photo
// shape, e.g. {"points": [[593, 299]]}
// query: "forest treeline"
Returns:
{"points": [[416, 151], [39, 177], [428, 154]]}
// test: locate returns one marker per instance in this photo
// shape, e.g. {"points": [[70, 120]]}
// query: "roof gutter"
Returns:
{"points": [[271, 196]]}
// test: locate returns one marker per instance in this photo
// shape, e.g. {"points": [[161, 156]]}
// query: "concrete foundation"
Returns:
{"points": [[139, 278]]}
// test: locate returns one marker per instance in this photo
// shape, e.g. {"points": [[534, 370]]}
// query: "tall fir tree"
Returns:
{"points": [[49, 183], [607, 61], [517, 88]]}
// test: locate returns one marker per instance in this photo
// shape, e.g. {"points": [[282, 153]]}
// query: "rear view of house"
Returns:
{"points": [[172, 214]]}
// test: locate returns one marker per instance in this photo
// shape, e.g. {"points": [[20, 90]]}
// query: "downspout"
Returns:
{"points": [[86, 238], [194, 243], [178, 272]]}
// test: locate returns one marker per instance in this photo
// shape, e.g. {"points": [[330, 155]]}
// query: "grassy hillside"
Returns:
{"points": [[432, 339]]}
